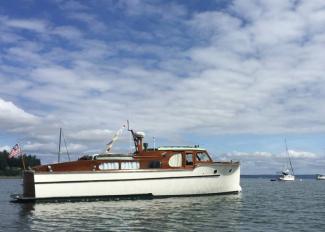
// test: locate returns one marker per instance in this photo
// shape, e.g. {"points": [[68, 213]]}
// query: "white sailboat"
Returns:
{"points": [[320, 177], [287, 174]]}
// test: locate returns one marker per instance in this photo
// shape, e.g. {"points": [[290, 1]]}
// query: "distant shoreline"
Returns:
{"points": [[247, 175], [270, 176], [10, 177]]}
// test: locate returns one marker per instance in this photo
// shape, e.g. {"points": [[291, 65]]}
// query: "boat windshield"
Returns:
{"points": [[202, 156]]}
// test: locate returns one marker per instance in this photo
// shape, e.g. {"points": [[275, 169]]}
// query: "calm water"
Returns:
{"points": [[262, 206]]}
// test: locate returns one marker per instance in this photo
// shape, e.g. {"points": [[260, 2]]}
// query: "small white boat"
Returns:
{"points": [[287, 175], [320, 177], [287, 178]]}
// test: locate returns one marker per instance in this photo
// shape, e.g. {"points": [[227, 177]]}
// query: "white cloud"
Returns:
{"points": [[73, 147], [55, 75], [302, 154], [89, 19], [12, 116], [254, 67], [272, 163], [93, 134], [257, 154], [5, 147], [67, 32], [26, 24], [51, 148], [40, 147], [167, 11], [72, 5]]}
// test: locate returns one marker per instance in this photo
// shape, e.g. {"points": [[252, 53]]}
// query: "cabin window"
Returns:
{"points": [[188, 159], [202, 157], [175, 160], [108, 166], [155, 164], [130, 165]]}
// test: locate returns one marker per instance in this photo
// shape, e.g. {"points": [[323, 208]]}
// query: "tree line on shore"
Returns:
{"points": [[13, 166]]}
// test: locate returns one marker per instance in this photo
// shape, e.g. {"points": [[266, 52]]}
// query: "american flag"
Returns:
{"points": [[115, 137], [15, 150]]}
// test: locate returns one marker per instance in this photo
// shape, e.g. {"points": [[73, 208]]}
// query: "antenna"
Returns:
{"points": [[137, 139], [130, 143], [285, 141], [154, 143]]}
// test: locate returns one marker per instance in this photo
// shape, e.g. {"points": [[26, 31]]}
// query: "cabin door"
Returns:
{"points": [[189, 160]]}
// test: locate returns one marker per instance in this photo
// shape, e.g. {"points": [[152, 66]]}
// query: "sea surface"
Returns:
{"points": [[262, 206]]}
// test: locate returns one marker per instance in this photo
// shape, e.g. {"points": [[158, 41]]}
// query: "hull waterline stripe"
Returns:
{"points": [[20, 199], [140, 179]]}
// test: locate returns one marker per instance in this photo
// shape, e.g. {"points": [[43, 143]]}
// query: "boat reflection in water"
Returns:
{"points": [[166, 214]]}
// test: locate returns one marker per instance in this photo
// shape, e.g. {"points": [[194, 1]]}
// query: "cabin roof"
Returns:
{"points": [[180, 148]]}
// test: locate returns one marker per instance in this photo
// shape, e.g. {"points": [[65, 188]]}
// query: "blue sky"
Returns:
{"points": [[237, 77]]}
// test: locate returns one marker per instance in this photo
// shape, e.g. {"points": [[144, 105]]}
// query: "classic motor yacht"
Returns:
{"points": [[154, 172]]}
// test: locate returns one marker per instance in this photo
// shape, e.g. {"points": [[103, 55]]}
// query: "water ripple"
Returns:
{"points": [[262, 206]]}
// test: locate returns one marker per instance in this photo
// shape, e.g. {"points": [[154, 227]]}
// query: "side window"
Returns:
{"points": [[130, 165], [188, 159], [175, 160], [202, 157], [108, 166]]}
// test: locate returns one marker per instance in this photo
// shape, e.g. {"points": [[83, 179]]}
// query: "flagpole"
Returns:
{"points": [[22, 158], [115, 137]]}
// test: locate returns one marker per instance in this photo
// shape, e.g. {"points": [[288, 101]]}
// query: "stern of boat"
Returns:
{"points": [[28, 184]]}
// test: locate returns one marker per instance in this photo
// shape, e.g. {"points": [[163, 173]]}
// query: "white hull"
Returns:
{"points": [[201, 180], [321, 177], [287, 178]]}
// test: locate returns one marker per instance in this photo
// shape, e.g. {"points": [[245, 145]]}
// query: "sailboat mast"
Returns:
{"points": [[59, 153], [285, 140]]}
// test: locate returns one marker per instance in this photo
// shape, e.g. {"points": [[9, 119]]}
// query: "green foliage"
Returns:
{"points": [[13, 166], [3, 160]]}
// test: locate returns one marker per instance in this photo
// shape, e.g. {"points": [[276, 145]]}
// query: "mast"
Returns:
{"points": [[285, 141], [66, 148], [59, 153]]}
